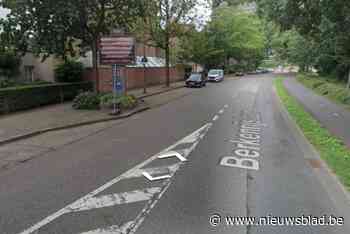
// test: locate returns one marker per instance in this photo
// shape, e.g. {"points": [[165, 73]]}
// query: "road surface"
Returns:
{"points": [[222, 153]]}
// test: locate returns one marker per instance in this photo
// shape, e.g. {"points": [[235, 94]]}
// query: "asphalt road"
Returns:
{"points": [[170, 169]]}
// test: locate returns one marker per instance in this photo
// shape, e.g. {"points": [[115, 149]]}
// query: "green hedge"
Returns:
{"points": [[27, 97]]}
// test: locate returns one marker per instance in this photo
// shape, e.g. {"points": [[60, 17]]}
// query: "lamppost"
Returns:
{"points": [[144, 61]]}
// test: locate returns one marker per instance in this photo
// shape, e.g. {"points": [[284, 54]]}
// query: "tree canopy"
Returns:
{"points": [[232, 33], [321, 27]]}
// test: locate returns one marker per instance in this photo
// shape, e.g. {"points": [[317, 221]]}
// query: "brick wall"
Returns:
{"points": [[134, 77]]}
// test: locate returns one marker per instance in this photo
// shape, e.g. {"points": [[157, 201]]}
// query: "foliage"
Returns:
{"points": [[12, 38], [69, 71], [5, 83], [198, 48], [291, 48], [9, 64], [87, 101], [66, 28], [331, 149], [30, 96], [126, 101], [330, 88], [165, 22], [231, 34], [323, 26]]}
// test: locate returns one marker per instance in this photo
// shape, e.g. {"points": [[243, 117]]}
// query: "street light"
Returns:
{"points": [[144, 61]]}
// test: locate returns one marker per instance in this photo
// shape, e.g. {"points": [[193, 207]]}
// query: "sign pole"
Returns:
{"points": [[115, 78]]}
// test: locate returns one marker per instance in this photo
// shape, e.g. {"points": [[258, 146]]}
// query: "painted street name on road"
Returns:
{"points": [[247, 147]]}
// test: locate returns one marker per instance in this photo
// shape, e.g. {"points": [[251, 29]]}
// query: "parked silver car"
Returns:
{"points": [[216, 75]]}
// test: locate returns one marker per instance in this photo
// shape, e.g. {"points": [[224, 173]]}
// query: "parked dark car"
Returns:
{"points": [[196, 80]]}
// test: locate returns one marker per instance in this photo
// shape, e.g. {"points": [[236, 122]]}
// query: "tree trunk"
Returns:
{"points": [[95, 65], [167, 64]]}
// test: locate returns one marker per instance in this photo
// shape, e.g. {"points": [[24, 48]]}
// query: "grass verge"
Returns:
{"points": [[330, 88], [331, 149]]}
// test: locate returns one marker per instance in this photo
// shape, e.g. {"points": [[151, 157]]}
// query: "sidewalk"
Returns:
{"points": [[332, 116], [56, 116]]}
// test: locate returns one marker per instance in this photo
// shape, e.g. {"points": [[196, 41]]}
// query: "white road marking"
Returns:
{"points": [[114, 199], [221, 111], [194, 137], [216, 117], [226, 106], [115, 229], [153, 171], [246, 149], [151, 178], [171, 154]]}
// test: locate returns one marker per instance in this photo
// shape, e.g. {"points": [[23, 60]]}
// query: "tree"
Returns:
{"points": [[217, 3], [324, 23], [239, 33], [231, 33], [165, 24], [67, 27], [198, 48]]}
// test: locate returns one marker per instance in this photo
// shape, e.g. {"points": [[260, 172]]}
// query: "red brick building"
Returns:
{"points": [[155, 71]]}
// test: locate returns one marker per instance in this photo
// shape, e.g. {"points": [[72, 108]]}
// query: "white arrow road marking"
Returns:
{"points": [[153, 171], [114, 199], [171, 154], [194, 137], [115, 229], [151, 178]]}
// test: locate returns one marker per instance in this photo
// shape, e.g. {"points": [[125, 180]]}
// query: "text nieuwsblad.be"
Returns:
{"points": [[285, 221]]}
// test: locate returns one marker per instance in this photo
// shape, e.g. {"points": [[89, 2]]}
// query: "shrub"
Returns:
{"points": [[69, 72], [5, 83], [87, 101], [30, 96], [9, 64], [126, 101]]}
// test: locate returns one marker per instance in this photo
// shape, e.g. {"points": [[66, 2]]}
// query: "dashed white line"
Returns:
{"points": [[226, 106], [216, 117], [221, 111]]}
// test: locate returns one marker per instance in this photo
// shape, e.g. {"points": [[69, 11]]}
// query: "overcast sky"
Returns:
{"points": [[3, 12]]}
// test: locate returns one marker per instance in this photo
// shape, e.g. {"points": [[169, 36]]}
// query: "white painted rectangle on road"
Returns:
{"points": [[114, 199]]}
